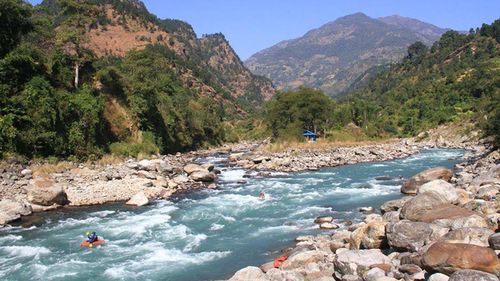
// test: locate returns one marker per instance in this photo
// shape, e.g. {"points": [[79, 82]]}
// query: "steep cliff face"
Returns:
{"points": [[333, 56]]}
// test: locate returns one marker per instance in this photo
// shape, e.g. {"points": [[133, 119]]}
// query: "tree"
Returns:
{"points": [[14, 22], [416, 50], [72, 36]]}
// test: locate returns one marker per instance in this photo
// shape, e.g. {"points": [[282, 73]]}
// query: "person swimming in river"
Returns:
{"points": [[92, 237]]}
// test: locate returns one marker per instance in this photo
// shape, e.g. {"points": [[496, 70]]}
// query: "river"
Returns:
{"points": [[205, 235]]}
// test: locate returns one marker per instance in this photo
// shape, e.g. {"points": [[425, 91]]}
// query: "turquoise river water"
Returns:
{"points": [[205, 235]]}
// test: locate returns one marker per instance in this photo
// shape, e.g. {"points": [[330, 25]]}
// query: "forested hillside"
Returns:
{"points": [[457, 79], [83, 78]]}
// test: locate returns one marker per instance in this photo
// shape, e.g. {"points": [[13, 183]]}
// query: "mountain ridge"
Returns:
{"points": [[333, 55]]}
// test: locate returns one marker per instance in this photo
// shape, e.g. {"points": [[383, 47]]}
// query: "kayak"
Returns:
{"points": [[93, 244]]}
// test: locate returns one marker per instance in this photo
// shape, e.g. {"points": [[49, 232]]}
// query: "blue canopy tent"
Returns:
{"points": [[310, 136]]}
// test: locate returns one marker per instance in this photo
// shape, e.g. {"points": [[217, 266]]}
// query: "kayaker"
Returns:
{"points": [[92, 237], [262, 196]]}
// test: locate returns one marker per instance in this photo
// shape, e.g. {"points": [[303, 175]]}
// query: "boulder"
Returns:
{"points": [[408, 235], [208, 166], [392, 216], [357, 262], [146, 165], [203, 176], [487, 192], [328, 225], [372, 235], [320, 220], [494, 241], [394, 205], [12, 210], [350, 277], [26, 172], [267, 266], [191, 168], [472, 275], [44, 192], [440, 188], [438, 277], [468, 235], [444, 211], [301, 259], [140, 199], [250, 273], [448, 258], [414, 208], [374, 274], [411, 186], [470, 221]]}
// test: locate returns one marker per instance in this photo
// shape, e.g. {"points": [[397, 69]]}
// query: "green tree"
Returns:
{"points": [[14, 23], [72, 36]]}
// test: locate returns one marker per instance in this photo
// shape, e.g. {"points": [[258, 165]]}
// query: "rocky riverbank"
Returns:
{"points": [[312, 158], [24, 190], [447, 230]]}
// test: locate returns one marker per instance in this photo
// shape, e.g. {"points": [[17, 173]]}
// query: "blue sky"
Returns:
{"points": [[252, 25]]}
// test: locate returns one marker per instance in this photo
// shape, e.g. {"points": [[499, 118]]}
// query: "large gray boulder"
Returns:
{"points": [[191, 168], [12, 210], [468, 235], [442, 189], [411, 185], [414, 208], [301, 259], [472, 275], [250, 273], [203, 176], [45, 192], [357, 262], [139, 199], [407, 235]]}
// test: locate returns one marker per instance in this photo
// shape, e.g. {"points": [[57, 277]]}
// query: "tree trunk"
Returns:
{"points": [[77, 73]]}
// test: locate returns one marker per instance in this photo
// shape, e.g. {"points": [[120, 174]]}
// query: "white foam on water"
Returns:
{"points": [[195, 242], [69, 223], [118, 273], [216, 226], [24, 251], [232, 175], [275, 174], [311, 210], [379, 165], [10, 238], [102, 214], [228, 218], [275, 229]]}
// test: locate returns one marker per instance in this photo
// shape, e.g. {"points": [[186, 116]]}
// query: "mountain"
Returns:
{"points": [[334, 55], [429, 30], [79, 79], [126, 25]]}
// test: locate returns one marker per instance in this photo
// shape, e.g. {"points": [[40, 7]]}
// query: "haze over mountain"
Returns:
{"points": [[334, 55]]}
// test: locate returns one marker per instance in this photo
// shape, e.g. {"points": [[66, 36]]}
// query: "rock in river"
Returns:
{"points": [[140, 199], [44, 192], [411, 186], [12, 210], [203, 176]]}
